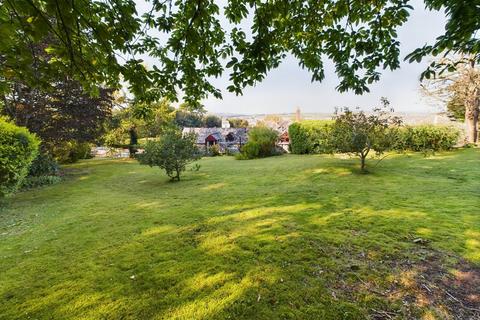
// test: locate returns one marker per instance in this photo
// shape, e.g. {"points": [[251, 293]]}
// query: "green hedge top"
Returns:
{"points": [[310, 136], [314, 136]]}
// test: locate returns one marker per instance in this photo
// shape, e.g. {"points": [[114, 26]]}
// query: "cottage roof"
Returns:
{"points": [[220, 134]]}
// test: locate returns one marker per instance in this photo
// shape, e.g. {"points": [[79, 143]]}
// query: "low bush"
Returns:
{"points": [[261, 143], [18, 148], [311, 136], [44, 165], [34, 182], [72, 151], [427, 138], [214, 151]]}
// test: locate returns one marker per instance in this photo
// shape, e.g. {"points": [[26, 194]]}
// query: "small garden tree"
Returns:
{"points": [[172, 152], [359, 133]]}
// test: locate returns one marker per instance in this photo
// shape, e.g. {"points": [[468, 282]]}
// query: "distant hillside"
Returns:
{"points": [[408, 117]]}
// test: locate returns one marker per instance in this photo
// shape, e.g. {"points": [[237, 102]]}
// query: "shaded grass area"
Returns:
{"points": [[290, 237]]}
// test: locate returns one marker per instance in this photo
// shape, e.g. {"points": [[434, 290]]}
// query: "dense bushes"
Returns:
{"points": [[315, 137], [261, 143], [44, 165], [72, 151], [427, 138], [43, 171], [18, 148], [310, 136]]}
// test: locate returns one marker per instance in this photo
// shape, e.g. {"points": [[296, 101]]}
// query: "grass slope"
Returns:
{"points": [[290, 237]]}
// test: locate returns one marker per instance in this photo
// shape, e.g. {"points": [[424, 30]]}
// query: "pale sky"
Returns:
{"points": [[289, 86]]}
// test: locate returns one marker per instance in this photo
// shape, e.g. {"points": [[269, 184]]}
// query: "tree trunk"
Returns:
{"points": [[362, 159], [475, 126], [178, 173], [471, 126]]}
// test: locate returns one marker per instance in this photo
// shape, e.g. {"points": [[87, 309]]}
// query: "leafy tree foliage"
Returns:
{"points": [[212, 121], [238, 123], [456, 109], [172, 152], [145, 120], [84, 38], [194, 45], [65, 113], [359, 133], [185, 118]]}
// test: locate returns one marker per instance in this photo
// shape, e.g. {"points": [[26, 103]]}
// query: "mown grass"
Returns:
{"points": [[290, 237]]}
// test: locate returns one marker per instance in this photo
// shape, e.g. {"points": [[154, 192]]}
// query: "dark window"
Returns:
{"points": [[230, 137]]}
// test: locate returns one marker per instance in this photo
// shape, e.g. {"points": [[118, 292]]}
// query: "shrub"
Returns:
{"points": [[34, 182], [172, 152], [312, 136], [427, 138], [43, 171], [72, 151], [214, 150], [18, 148], [43, 165], [261, 143]]}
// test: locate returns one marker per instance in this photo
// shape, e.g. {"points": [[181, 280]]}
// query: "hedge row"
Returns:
{"points": [[310, 136], [18, 148], [427, 138], [313, 136]]}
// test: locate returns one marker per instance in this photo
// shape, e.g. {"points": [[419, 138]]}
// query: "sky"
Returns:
{"points": [[288, 87]]}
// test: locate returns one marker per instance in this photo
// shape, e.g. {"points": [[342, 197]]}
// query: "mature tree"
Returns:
{"points": [[172, 152], [64, 113], [238, 123], [459, 88], [140, 120], [184, 118], [212, 121], [156, 117], [359, 133], [196, 44]]}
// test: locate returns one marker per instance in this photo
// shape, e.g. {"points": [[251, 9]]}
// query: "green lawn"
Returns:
{"points": [[289, 237]]}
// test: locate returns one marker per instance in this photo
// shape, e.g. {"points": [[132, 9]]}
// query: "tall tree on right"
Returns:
{"points": [[459, 86]]}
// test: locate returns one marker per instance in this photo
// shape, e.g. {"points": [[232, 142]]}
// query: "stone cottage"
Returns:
{"points": [[231, 139]]}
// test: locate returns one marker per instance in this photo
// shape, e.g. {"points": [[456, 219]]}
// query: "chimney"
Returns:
{"points": [[298, 116]]}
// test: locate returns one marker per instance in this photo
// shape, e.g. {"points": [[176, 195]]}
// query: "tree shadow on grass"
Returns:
{"points": [[334, 248]]}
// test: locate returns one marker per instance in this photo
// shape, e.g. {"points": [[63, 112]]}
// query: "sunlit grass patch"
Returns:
{"points": [[289, 237]]}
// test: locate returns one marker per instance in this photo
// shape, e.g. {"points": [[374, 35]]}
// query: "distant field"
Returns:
{"points": [[288, 237]]}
